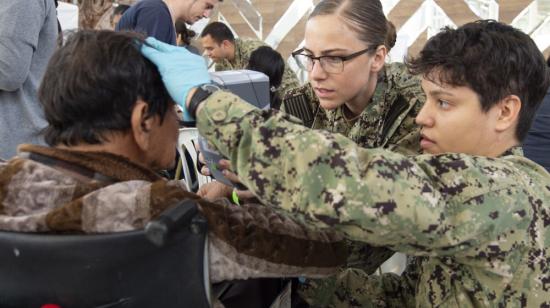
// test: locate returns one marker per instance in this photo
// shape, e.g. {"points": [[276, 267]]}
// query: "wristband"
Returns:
{"points": [[235, 198]]}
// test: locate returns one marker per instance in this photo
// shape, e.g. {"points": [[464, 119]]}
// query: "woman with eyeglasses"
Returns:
{"points": [[354, 92], [351, 89]]}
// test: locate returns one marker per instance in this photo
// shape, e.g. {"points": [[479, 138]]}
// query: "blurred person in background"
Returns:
{"points": [[28, 37], [269, 61], [184, 37], [119, 9], [157, 18]]}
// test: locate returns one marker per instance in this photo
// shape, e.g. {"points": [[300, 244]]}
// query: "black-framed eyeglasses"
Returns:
{"points": [[330, 64]]}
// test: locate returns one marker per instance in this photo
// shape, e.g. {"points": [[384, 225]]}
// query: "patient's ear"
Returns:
{"points": [[508, 113], [142, 124]]}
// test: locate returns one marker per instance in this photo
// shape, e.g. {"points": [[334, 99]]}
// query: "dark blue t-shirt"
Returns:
{"points": [[151, 17], [537, 144]]}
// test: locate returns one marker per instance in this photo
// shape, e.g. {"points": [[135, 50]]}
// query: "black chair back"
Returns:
{"points": [[165, 265]]}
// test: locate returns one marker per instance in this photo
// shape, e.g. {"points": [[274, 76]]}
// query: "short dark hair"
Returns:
{"points": [[491, 58], [270, 62], [92, 83], [219, 32]]}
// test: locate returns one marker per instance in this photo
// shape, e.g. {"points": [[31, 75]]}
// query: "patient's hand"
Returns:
{"points": [[215, 190], [245, 195], [225, 166]]}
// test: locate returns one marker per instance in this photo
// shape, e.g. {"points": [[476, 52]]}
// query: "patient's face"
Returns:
{"points": [[164, 139]]}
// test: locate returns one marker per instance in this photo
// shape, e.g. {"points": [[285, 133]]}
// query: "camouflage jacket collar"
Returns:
{"points": [[515, 150], [367, 129], [238, 53], [243, 49]]}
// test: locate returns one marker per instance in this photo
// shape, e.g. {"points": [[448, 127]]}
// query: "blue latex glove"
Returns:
{"points": [[180, 69]]}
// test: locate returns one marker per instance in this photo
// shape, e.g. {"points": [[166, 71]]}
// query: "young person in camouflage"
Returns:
{"points": [[111, 125], [351, 88], [472, 210], [230, 53]]}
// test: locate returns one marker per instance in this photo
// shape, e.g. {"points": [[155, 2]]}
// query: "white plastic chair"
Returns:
{"points": [[187, 139]]}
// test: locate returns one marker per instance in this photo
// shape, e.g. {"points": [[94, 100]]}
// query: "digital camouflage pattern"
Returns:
{"points": [[243, 49], [478, 227], [388, 120]]}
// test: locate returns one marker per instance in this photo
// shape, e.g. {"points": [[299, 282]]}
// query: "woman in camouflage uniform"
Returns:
{"points": [[351, 89]]}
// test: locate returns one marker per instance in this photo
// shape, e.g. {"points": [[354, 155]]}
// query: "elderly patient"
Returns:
{"points": [[112, 124]]}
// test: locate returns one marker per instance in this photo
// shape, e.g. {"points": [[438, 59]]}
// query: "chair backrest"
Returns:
{"points": [[187, 139], [126, 269]]}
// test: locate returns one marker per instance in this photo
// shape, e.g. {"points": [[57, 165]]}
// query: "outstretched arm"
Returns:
{"points": [[418, 205]]}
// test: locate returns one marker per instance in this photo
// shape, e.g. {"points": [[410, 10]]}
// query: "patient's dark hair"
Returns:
{"points": [[92, 83], [493, 59]]}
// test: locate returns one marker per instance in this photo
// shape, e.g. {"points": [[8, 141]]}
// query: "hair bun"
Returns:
{"points": [[391, 35]]}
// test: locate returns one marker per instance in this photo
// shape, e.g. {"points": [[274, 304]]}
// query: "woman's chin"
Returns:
{"points": [[329, 104]]}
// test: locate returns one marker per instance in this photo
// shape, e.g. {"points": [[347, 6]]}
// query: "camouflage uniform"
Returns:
{"points": [[479, 227], [243, 49], [387, 121]]}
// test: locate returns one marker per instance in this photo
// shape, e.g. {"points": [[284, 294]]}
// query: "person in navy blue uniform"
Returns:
{"points": [[157, 18]]}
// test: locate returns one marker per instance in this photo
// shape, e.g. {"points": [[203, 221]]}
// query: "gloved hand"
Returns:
{"points": [[180, 69]]}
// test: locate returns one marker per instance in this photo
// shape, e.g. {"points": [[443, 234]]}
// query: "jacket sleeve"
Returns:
{"points": [[419, 205], [21, 24]]}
